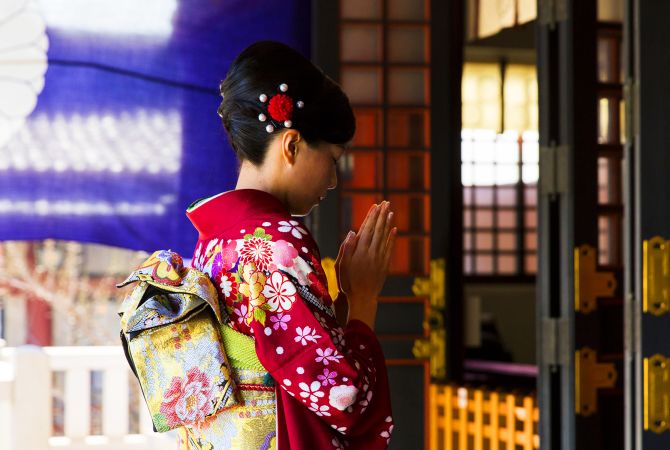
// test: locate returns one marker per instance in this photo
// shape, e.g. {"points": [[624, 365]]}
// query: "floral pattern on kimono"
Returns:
{"points": [[332, 387]]}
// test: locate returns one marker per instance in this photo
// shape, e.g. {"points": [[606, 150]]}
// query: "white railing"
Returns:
{"points": [[26, 401]]}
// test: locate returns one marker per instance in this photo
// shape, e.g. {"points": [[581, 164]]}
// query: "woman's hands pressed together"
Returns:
{"points": [[363, 261]]}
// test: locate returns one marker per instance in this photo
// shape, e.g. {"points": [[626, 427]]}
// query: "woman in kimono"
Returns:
{"points": [[319, 381]]}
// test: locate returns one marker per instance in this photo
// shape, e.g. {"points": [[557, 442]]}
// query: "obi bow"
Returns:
{"points": [[171, 324]]}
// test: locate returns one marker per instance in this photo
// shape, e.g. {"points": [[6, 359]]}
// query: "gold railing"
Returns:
{"points": [[476, 419]]}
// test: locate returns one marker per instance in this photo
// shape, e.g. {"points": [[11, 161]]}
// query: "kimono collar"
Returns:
{"points": [[213, 215]]}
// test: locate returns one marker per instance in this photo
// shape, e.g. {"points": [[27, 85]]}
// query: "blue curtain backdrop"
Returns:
{"points": [[125, 134]]}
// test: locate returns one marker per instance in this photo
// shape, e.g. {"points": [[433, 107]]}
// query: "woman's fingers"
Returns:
{"points": [[340, 252], [388, 224], [365, 220], [349, 246], [388, 250], [339, 260], [367, 230], [376, 243]]}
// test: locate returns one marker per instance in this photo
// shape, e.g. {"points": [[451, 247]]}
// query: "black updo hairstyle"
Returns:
{"points": [[260, 69]]}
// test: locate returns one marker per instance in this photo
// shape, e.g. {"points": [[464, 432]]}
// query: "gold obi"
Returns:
{"points": [[170, 330]]}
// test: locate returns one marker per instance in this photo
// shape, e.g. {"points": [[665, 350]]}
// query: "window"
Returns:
{"points": [[611, 135], [500, 168], [385, 71]]}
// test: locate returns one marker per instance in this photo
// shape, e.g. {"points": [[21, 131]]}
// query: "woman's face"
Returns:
{"points": [[314, 174]]}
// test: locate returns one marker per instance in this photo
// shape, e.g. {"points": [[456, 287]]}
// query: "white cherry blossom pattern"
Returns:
{"points": [[342, 397], [337, 445], [342, 430], [387, 433], [226, 284], [311, 391], [328, 377], [306, 335], [315, 379], [279, 292], [338, 336], [196, 262], [321, 320], [292, 227], [210, 246], [284, 254], [327, 355], [202, 255], [320, 410], [242, 312], [280, 321], [365, 402]]}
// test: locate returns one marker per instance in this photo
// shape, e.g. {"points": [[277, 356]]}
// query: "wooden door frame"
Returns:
{"points": [[325, 54], [647, 162], [446, 190], [567, 213]]}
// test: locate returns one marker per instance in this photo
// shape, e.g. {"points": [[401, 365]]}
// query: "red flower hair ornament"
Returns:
{"points": [[280, 109]]}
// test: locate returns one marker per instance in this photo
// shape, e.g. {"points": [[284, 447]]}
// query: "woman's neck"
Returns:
{"points": [[253, 177]]}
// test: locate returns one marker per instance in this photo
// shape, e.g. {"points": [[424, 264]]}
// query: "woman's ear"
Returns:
{"points": [[289, 145]]}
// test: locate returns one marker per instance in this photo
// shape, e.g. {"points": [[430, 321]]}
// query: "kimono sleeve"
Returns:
{"points": [[338, 375]]}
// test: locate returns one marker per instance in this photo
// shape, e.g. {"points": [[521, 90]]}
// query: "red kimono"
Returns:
{"points": [[331, 383]]}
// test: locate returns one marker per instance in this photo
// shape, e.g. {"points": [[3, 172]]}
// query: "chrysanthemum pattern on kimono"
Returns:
{"points": [[270, 279]]}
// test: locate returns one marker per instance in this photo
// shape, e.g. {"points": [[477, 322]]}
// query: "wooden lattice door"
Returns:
{"points": [[386, 65]]}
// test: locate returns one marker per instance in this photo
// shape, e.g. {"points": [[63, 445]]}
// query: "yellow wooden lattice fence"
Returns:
{"points": [[477, 419]]}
